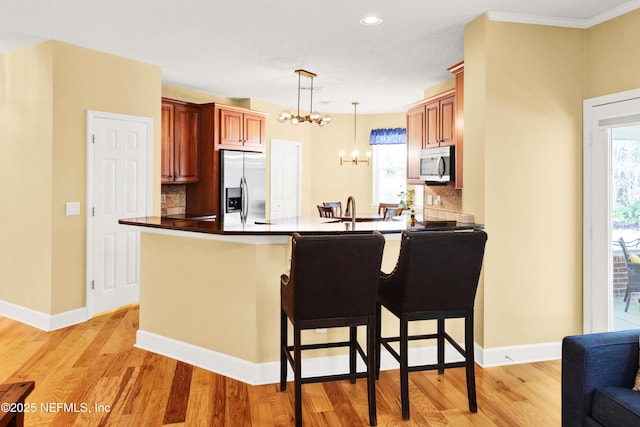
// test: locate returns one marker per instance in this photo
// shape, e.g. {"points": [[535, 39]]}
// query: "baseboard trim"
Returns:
{"points": [[223, 364], [513, 355], [269, 372], [43, 321]]}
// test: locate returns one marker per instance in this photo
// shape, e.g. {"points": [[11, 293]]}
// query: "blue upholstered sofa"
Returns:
{"points": [[598, 372]]}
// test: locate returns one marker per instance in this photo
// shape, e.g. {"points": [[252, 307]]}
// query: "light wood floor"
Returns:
{"points": [[95, 367]]}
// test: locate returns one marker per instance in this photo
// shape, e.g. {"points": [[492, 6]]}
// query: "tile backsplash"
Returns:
{"points": [[450, 201], [174, 196]]}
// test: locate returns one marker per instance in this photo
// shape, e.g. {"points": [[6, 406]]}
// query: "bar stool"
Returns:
{"points": [[333, 283], [436, 277]]}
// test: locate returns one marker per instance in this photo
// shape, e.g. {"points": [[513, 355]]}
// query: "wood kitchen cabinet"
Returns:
{"points": [[440, 119], [430, 123], [240, 129], [415, 138], [222, 127], [180, 142], [435, 122]]}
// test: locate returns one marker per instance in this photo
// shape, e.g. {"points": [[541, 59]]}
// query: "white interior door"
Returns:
{"points": [[285, 179], [119, 187], [601, 116]]}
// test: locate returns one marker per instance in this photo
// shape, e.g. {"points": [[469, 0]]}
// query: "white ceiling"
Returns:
{"points": [[250, 48]]}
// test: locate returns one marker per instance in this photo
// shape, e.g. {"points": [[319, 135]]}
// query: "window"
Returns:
{"points": [[389, 173], [389, 164]]}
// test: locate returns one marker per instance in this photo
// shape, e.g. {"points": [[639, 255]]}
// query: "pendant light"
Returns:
{"points": [[354, 154], [313, 116]]}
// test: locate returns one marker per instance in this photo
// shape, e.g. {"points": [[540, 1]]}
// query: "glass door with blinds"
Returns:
{"points": [[612, 213]]}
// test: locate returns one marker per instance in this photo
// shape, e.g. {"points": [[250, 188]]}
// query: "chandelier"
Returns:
{"points": [[313, 116], [354, 154]]}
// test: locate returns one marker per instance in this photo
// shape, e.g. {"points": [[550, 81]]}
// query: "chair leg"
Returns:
{"points": [[378, 342], [297, 386], [470, 363], [283, 351], [404, 366], [353, 336], [440, 346], [628, 299], [371, 373]]}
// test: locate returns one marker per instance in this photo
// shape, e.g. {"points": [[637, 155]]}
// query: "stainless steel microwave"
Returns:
{"points": [[437, 165]]}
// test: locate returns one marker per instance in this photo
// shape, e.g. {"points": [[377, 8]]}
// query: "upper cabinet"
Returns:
{"points": [[241, 129], [415, 143], [430, 123], [180, 142], [440, 121], [222, 127], [436, 122]]}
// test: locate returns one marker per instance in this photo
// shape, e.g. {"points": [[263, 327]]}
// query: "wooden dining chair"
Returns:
{"points": [[382, 207], [336, 206], [325, 211], [391, 212]]}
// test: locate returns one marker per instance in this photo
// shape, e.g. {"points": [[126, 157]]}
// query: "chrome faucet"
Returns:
{"points": [[351, 208]]}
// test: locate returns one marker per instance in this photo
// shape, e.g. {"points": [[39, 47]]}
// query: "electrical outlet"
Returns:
{"points": [[72, 208], [163, 198]]}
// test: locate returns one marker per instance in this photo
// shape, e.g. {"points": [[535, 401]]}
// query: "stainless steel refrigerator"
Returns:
{"points": [[243, 185]]}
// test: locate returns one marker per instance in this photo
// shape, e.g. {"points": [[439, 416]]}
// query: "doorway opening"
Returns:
{"points": [[625, 226], [611, 199]]}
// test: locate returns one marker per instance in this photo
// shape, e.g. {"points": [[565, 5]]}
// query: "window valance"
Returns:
{"points": [[388, 136]]}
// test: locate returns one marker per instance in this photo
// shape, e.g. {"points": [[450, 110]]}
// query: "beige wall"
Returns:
{"points": [[529, 87], [52, 85], [612, 55], [524, 87], [474, 141], [26, 102], [440, 87]]}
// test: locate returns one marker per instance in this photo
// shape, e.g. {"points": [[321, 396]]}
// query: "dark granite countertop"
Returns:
{"points": [[302, 225]]}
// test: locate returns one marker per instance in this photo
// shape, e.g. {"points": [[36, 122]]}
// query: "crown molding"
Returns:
{"points": [[613, 13], [518, 18], [564, 22]]}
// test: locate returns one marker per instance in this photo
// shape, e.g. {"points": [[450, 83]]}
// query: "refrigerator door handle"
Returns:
{"points": [[245, 198]]}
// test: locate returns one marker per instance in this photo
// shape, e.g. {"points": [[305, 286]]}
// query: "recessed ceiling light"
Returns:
{"points": [[371, 20]]}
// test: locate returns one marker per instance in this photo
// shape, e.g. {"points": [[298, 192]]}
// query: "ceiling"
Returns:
{"points": [[250, 48]]}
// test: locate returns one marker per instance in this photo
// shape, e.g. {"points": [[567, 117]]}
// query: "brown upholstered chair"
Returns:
{"points": [[333, 283], [325, 211], [336, 206], [633, 274], [436, 277]]}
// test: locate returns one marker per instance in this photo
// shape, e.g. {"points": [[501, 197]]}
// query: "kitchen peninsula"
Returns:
{"points": [[209, 293]]}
